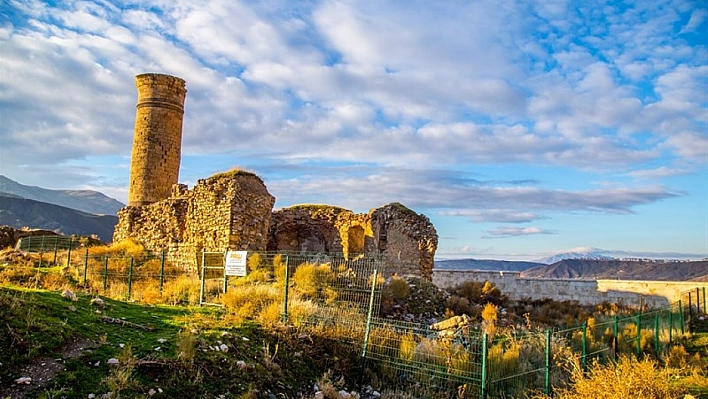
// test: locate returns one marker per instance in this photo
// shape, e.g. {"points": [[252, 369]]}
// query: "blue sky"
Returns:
{"points": [[520, 128]]}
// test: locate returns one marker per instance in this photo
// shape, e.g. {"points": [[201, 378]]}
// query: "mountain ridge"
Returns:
{"points": [[82, 200], [621, 269], [23, 212]]}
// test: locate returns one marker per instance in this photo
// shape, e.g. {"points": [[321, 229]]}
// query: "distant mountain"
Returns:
{"points": [[576, 253], [622, 269], [484, 264], [83, 200], [22, 212]]}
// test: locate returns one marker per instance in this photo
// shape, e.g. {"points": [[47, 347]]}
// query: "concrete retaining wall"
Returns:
{"points": [[586, 292]]}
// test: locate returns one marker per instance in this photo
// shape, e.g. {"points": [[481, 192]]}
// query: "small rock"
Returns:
{"points": [[344, 394], [112, 360], [158, 349], [151, 392], [23, 380], [162, 340], [97, 301], [319, 395], [69, 295], [72, 308], [224, 348], [98, 363], [91, 396], [241, 364]]}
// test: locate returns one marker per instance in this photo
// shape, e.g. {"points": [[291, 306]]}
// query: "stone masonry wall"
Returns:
{"points": [[586, 292], [226, 211], [406, 239]]}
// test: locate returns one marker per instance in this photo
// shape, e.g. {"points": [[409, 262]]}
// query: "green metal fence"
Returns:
{"points": [[339, 297], [51, 245]]}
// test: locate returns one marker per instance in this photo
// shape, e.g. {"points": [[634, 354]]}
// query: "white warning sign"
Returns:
{"points": [[235, 264]]}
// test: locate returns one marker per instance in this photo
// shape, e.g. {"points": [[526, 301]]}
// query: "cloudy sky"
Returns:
{"points": [[520, 128]]}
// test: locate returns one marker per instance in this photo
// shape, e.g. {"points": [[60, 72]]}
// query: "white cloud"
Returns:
{"points": [[516, 232]]}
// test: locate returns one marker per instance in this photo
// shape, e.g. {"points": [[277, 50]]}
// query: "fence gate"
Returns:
{"points": [[212, 277]]}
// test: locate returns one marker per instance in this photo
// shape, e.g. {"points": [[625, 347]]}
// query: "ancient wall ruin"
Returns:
{"points": [[234, 210], [406, 239], [227, 211], [157, 143]]}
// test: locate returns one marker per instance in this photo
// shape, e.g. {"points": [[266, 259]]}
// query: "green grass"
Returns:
{"points": [[37, 323]]}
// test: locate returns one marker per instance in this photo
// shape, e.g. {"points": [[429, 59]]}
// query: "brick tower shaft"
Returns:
{"points": [[157, 144]]}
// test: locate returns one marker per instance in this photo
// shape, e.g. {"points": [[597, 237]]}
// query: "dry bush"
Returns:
{"points": [[311, 280], [183, 290], [300, 310], [250, 301], [628, 378], [407, 346], [489, 318], [127, 247]]}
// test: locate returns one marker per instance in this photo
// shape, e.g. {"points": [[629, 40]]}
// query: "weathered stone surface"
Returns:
{"points": [[226, 211], [157, 143], [407, 240]]}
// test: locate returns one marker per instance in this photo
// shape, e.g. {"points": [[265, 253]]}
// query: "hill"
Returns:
{"points": [[22, 212], [485, 264], [82, 200], [592, 269]]}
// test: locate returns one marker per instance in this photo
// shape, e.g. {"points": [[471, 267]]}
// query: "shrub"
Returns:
{"points": [[628, 378], [310, 280], [489, 318]]}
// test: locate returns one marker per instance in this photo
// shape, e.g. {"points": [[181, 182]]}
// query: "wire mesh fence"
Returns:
{"points": [[437, 361], [339, 297]]}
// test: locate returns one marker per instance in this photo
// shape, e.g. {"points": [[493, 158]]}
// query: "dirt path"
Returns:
{"points": [[43, 370]]}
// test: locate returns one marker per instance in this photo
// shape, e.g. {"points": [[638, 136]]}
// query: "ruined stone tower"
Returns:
{"points": [[157, 144]]}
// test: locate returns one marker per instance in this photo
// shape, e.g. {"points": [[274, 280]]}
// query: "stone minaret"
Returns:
{"points": [[157, 145]]}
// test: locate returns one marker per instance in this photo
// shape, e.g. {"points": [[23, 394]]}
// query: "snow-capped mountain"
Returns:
{"points": [[576, 253]]}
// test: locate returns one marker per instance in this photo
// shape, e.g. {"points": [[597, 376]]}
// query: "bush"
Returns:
{"points": [[312, 280], [628, 378]]}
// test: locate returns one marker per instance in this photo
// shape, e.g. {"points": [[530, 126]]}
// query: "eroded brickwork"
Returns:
{"points": [[407, 240], [227, 211], [157, 143]]}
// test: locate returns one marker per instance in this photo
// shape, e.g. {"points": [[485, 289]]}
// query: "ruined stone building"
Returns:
{"points": [[234, 210]]}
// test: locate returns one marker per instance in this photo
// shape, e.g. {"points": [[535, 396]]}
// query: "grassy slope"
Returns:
{"points": [[36, 323]]}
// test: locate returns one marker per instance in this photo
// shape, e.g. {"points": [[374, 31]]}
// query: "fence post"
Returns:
{"points": [[286, 289], [698, 301], [583, 359], [547, 376], [705, 309], [130, 277], [201, 289], [56, 242], [615, 340], [365, 345], [85, 265], [483, 377], [656, 334], [681, 318], [671, 325], [105, 273], [68, 255], [162, 270], [226, 278], [690, 306], [638, 350]]}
